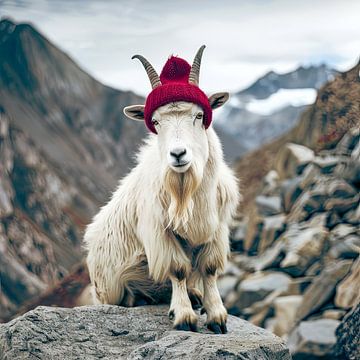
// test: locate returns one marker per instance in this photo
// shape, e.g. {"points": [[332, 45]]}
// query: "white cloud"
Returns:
{"points": [[244, 39]]}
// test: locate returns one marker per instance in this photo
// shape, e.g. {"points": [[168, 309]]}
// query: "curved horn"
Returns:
{"points": [[195, 68], [152, 74]]}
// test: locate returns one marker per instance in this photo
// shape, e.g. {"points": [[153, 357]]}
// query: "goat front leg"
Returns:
{"points": [[181, 310], [212, 260], [167, 259]]}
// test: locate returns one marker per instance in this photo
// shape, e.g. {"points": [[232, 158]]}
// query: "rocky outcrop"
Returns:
{"points": [[114, 332], [299, 268]]}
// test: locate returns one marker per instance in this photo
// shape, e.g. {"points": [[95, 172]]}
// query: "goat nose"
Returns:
{"points": [[178, 152]]}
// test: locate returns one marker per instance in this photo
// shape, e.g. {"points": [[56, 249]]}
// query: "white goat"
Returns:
{"points": [[168, 219]]}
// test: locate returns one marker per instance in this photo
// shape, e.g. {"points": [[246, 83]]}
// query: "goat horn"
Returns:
{"points": [[151, 72], [195, 68]]}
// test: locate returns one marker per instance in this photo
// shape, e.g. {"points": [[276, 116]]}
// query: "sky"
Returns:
{"points": [[244, 39]]}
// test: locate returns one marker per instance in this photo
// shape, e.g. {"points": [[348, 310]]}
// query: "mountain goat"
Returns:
{"points": [[168, 221]]}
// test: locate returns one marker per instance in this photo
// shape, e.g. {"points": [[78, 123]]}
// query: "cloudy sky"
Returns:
{"points": [[244, 39]]}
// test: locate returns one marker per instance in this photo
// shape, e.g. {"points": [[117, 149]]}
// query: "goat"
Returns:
{"points": [[168, 221]]}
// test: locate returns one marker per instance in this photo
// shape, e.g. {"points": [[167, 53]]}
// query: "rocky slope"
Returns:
{"points": [[64, 143], [298, 269], [114, 332], [271, 106]]}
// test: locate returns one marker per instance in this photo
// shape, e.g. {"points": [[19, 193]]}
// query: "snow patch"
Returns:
{"points": [[281, 99]]}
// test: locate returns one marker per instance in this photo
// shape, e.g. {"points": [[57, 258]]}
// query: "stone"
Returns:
{"points": [[348, 335], [290, 190], [353, 216], [6, 196], [313, 339], [347, 248], [257, 286], [291, 160], [326, 163], [237, 236], [113, 332], [348, 290], [309, 177], [302, 246], [268, 205], [348, 142], [268, 259], [308, 203], [285, 308], [342, 205], [335, 314], [270, 183], [226, 283], [272, 228], [254, 229], [322, 288]]}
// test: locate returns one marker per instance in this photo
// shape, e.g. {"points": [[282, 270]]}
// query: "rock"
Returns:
{"points": [[326, 164], [268, 205], [226, 283], [254, 229], [291, 160], [260, 310], [237, 236], [309, 177], [308, 203], [6, 196], [313, 339], [347, 291], [271, 183], [302, 246], [334, 314], [268, 259], [353, 216], [342, 205], [322, 288], [289, 191], [348, 142], [349, 247], [112, 332], [348, 336], [272, 228], [257, 286], [285, 308]]}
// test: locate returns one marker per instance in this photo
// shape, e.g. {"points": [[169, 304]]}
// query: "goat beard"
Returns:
{"points": [[181, 188]]}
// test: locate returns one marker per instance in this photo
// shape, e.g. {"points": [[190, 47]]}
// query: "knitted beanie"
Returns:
{"points": [[175, 86]]}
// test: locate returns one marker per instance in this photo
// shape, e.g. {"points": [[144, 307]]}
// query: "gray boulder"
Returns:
{"points": [[313, 339], [112, 332]]}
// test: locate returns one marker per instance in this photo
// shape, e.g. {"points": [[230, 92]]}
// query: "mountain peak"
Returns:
{"points": [[310, 76]]}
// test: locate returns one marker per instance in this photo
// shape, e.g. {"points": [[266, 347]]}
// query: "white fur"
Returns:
{"points": [[136, 226]]}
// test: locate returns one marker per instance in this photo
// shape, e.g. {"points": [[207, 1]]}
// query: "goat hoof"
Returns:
{"points": [[195, 298], [217, 328], [186, 326]]}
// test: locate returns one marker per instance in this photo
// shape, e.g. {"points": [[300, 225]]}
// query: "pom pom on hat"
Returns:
{"points": [[175, 86]]}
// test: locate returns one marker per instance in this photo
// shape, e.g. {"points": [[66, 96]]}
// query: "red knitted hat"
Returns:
{"points": [[175, 86]]}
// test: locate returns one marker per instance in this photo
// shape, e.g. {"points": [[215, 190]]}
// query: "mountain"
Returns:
{"points": [[64, 143], [74, 119], [272, 105]]}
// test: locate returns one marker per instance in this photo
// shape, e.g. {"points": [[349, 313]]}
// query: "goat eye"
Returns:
{"points": [[155, 122], [199, 116]]}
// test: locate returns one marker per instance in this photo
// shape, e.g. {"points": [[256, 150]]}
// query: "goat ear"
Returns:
{"points": [[218, 99], [135, 112]]}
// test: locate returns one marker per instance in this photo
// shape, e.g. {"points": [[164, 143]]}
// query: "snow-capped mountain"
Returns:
{"points": [[271, 105]]}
